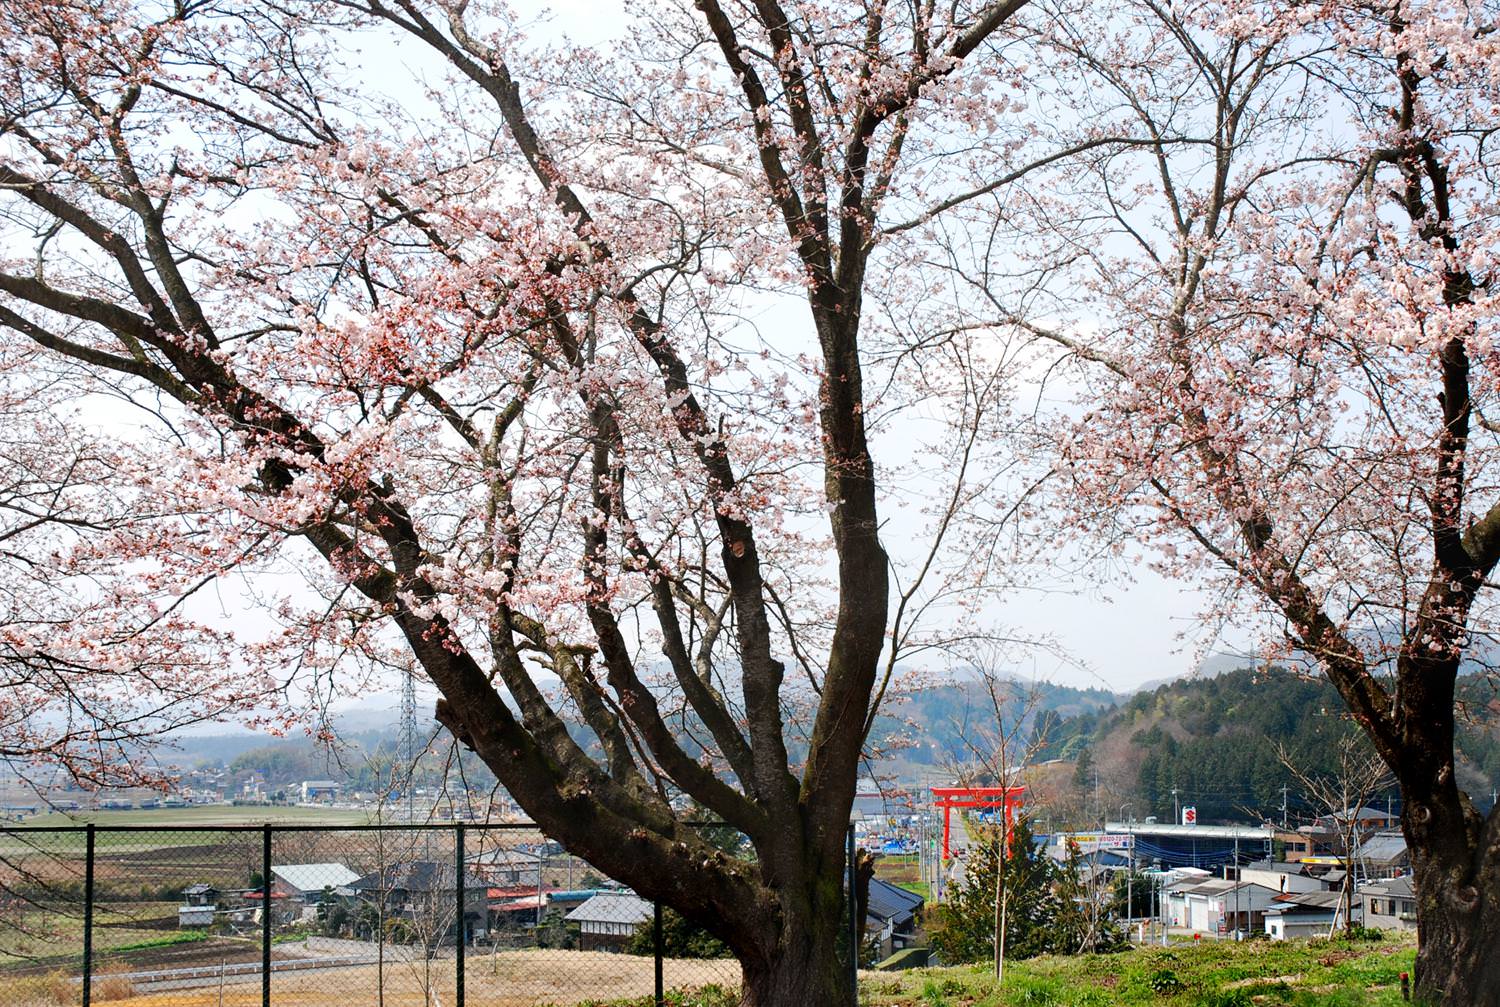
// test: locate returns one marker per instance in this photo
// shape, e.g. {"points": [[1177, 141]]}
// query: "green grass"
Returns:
{"points": [[1211, 974], [711, 995], [167, 941], [919, 887]]}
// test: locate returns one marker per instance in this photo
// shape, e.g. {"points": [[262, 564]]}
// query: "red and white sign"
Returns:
{"points": [[1189, 815]]}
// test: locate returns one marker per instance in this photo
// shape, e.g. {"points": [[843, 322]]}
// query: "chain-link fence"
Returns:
{"points": [[342, 916]]}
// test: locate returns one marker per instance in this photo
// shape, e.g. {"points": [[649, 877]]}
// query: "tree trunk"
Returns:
{"points": [[1455, 859], [1457, 891], [804, 967]]}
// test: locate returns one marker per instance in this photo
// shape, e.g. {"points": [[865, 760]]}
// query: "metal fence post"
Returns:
{"points": [[656, 944], [265, 915], [462, 922], [88, 916]]}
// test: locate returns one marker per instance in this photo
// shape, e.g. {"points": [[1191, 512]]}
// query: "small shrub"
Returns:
{"points": [[110, 984], [62, 986], [937, 991], [55, 989], [1366, 934], [712, 995], [1226, 998], [1034, 995], [1164, 982]]}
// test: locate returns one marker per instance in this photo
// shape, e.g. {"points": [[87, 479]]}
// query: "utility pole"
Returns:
{"points": [[1176, 808], [1236, 886], [1161, 900], [1283, 807]]}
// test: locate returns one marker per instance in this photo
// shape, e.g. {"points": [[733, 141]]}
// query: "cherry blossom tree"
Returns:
{"points": [[1279, 316], [528, 367]]}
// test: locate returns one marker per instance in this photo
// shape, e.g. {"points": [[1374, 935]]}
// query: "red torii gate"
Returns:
{"points": [[1007, 800]]}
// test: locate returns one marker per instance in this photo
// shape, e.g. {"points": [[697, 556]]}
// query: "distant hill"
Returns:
{"points": [[918, 732], [925, 730], [1213, 738], [1212, 666]]}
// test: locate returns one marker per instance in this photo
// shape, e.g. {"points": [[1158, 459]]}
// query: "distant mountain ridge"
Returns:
{"points": [[1213, 665]]}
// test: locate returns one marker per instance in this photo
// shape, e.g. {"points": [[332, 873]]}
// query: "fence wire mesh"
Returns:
{"points": [[403, 916]]}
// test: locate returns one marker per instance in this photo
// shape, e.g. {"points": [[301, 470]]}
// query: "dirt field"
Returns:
{"points": [[512, 979], [40, 940]]}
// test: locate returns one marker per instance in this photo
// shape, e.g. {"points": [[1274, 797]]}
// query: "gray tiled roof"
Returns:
{"points": [[314, 877], [612, 907], [891, 902], [1383, 847], [1398, 887]]}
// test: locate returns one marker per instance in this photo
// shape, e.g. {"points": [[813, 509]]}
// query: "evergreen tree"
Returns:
{"points": [[1083, 769], [962, 927], [1084, 922], [680, 938]]}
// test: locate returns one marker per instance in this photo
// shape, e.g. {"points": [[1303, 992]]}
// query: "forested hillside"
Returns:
{"points": [[1214, 739]]}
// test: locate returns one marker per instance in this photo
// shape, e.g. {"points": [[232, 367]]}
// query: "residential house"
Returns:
{"points": [[307, 883], [319, 791], [1174, 885], [1218, 905], [1295, 845], [508, 867], [517, 907], [306, 886], [1302, 914], [1366, 819], [1332, 879], [200, 895], [607, 921], [1383, 855], [1389, 904], [284, 908], [1327, 836], [891, 916], [417, 898], [1283, 877], [199, 904]]}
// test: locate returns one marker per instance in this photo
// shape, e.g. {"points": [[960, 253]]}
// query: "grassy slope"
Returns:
{"points": [[1211, 974]]}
